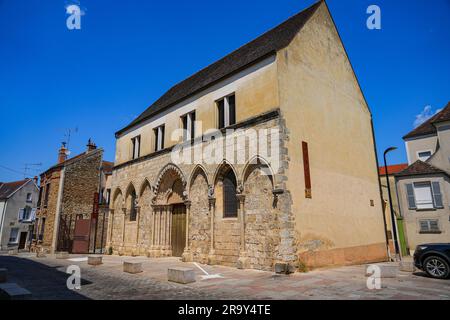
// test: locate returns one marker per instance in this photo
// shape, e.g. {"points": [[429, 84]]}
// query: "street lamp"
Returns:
{"points": [[393, 222]]}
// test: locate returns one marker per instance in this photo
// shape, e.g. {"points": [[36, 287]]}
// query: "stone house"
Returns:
{"points": [[18, 201], [69, 197], [423, 188], [265, 156]]}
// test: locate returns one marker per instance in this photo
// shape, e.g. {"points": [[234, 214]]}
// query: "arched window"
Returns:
{"points": [[133, 212], [229, 195]]}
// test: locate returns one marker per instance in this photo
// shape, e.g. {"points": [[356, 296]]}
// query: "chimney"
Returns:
{"points": [[91, 145], [62, 154], [35, 179]]}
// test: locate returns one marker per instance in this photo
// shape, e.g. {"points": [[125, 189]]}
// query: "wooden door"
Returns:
{"points": [[178, 229], [22, 240], [81, 236]]}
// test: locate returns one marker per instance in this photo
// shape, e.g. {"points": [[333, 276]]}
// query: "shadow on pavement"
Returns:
{"points": [[44, 282]]}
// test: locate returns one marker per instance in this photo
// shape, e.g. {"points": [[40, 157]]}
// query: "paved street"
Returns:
{"points": [[46, 279]]}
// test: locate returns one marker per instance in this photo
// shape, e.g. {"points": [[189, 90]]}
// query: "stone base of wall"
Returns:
{"points": [[345, 256]]}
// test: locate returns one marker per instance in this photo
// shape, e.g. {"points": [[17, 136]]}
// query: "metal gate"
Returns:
{"points": [[81, 236], [178, 229]]}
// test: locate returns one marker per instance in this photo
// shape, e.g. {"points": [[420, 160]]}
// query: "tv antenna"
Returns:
{"points": [[68, 135], [31, 166]]}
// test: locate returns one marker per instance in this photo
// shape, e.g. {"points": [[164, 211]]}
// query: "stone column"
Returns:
{"points": [[212, 214], [243, 260], [109, 241], [166, 231], [152, 230], [122, 245], [138, 215], [186, 257]]}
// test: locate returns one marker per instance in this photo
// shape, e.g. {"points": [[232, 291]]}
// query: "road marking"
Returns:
{"points": [[207, 275]]}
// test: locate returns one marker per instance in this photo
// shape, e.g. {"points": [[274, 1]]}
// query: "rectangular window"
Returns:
{"points": [[47, 194], [159, 137], [29, 197], [306, 170], [188, 122], [39, 198], [226, 109], [424, 155], [14, 235], [423, 195], [108, 195], [429, 226], [136, 141]]}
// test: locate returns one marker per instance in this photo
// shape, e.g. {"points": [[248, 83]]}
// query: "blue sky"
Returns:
{"points": [[128, 53]]}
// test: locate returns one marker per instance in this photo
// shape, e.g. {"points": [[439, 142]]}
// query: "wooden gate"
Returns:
{"points": [[81, 236], [22, 240], [178, 229]]}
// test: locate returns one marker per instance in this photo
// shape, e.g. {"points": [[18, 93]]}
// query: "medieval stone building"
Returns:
{"points": [[72, 203], [265, 156]]}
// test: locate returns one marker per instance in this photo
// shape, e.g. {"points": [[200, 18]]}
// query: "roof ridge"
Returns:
{"points": [[249, 53], [428, 127]]}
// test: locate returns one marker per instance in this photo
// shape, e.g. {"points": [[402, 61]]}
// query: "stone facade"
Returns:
{"points": [[298, 92], [73, 188]]}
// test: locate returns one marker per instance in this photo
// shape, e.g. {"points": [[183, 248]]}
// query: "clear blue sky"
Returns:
{"points": [[128, 53]]}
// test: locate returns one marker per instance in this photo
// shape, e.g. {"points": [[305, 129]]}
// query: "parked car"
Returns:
{"points": [[434, 259]]}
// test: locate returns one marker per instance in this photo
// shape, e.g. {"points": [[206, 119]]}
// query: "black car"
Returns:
{"points": [[434, 259]]}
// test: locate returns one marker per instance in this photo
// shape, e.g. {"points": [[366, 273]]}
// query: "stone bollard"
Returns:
{"points": [[3, 275], [95, 260], [283, 268], [181, 275], [13, 252], [407, 266], [132, 267], [62, 255]]}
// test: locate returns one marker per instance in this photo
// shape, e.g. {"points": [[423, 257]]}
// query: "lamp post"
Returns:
{"points": [[393, 219]]}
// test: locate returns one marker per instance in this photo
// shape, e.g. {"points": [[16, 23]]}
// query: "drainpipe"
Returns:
{"points": [[58, 211]]}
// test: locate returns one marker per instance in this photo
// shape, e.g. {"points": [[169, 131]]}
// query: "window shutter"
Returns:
{"points": [[424, 225], [33, 214], [21, 213], [434, 226], [437, 196], [410, 196]]}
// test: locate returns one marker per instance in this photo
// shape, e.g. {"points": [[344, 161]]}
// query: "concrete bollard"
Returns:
{"points": [[132, 267], [62, 255], [95, 260], [181, 275], [3, 275], [407, 266], [13, 252]]}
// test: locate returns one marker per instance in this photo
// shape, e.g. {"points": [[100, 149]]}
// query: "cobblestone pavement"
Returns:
{"points": [[46, 279]]}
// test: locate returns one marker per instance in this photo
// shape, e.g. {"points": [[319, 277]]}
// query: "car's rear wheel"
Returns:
{"points": [[436, 267]]}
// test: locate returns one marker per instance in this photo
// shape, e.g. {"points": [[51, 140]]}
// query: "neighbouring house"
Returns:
{"points": [[72, 209], [423, 188], [392, 170], [18, 200], [264, 158]]}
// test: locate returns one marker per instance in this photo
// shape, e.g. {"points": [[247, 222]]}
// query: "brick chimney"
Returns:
{"points": [[62, 154], [91, 145]]}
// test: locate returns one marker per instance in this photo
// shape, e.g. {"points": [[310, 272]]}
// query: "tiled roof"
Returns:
{"points": [[395, 168], [419, 168], [8, 188], [107, 167], [266, 44], [428, 126]]}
